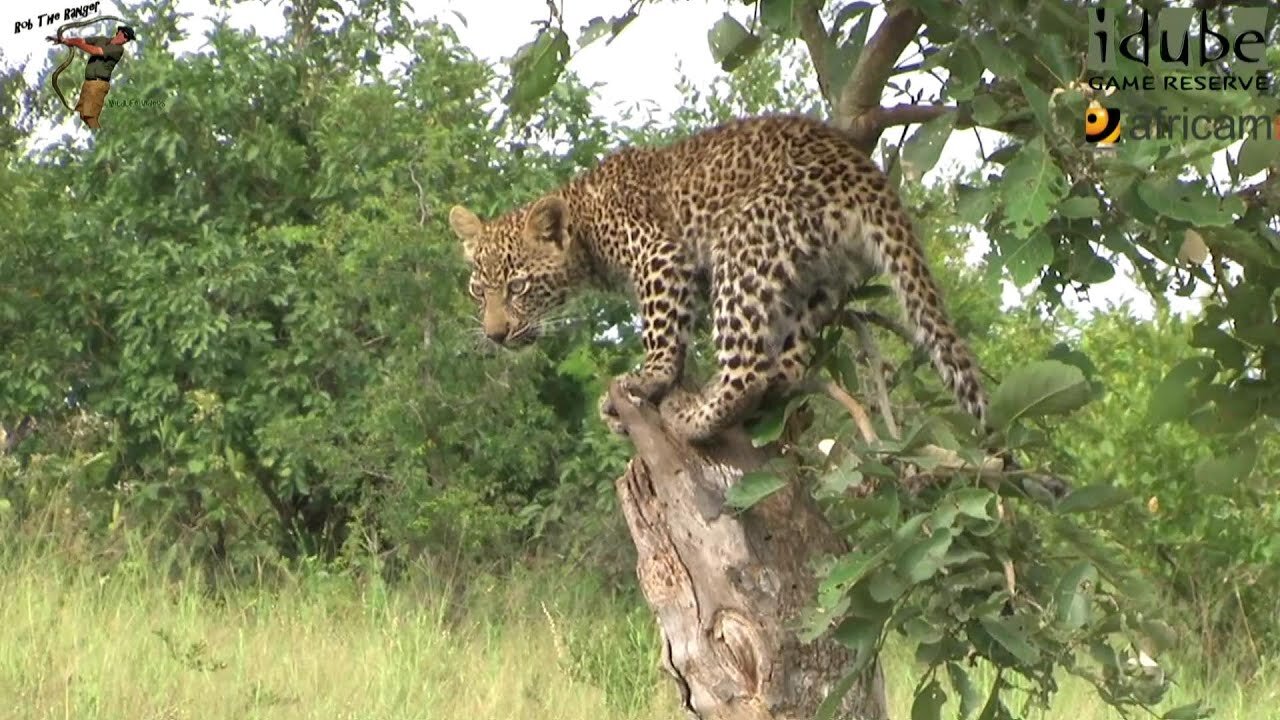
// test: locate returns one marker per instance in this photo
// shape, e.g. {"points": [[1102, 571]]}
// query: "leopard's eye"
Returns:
{"points": [[476, 289], [517, 285]]}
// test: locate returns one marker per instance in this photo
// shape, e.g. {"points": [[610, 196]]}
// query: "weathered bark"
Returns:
{"points": [[727, 587]]}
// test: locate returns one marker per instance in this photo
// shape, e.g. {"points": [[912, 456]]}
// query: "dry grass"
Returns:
{"points": [[131, 646]]}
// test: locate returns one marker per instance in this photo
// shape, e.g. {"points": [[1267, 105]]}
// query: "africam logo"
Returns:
{"points": [[1101, 124]]}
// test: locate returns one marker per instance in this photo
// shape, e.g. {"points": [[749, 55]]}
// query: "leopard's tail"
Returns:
{"points": [[899, 254]]}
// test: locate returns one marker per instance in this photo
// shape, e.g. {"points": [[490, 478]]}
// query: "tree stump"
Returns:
{"points": [[727, 587]]}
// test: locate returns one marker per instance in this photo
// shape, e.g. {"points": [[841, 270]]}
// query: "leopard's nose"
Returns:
{"points": [[497, 335]]}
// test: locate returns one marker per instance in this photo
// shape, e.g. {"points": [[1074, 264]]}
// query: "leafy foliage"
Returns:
{"points": [[243, 330], [264, 311], [1062, 215]]}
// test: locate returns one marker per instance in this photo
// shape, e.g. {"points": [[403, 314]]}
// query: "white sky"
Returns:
{"points": [[643, 63]]}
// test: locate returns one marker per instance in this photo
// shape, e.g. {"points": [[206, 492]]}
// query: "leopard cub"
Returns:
{"points": [[768, 221]]}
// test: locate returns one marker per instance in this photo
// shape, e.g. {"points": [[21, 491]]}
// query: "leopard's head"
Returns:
{"points": [[524, 265]]}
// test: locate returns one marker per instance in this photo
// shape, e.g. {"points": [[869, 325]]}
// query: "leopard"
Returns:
{"points": [[767, 222]]}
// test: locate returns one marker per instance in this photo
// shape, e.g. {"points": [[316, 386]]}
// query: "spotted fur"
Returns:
{"points": [[770, 220]]}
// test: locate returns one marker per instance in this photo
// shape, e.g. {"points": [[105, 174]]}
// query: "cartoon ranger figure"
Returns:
{"points": [[104, 52]]}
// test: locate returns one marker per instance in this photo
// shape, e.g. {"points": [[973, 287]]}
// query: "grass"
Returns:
{"points": [[317, 644]]}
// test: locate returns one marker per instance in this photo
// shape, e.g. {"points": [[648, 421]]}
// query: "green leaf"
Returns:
{"points": [[1063, 352], [1192, 711], [779, 16], [969, 697], [859, 634], [1085, 266], [841, 365], [535, 68], [997, 56], [922, 560], [1037, 100], [769, 427], [1032, 187], [885, 585], [962, 556], [943, 516], [973, 204], [848, 570], [1046, 387], [1025, 258], [1220, 473], [1174, 397], [1079, 207], [621, 22], [921, 151], [1228, 351], [1256, 155], [752, 488], [842, 57], [1072, 596], [731, 43], [1011, 637], [987, 110], [839, 480], [848, 12], [596, 28], [928, 703], [975, 502], [1189, 202], [994, 708], [1092, 497], [964, 68]]}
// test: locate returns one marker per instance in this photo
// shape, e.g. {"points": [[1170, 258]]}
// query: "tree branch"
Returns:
{"points": [[877, 365], [909, 114], [816, 38], [728, 588], [860, 97], [859, 414]]}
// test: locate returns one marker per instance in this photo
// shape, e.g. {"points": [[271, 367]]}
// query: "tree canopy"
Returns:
{"points": [[241, 322]]}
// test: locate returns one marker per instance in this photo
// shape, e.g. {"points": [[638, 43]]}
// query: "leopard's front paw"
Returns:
{"points": [[609, 414], [644, 386]]}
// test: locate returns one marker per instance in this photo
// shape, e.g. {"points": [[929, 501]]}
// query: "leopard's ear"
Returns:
{"points": [[467, 227], [548, 222]]}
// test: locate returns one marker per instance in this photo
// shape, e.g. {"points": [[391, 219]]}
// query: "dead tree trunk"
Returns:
{"points": [[727, 587]]}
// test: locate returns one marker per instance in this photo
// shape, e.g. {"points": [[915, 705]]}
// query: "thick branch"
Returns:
{"points": [[861, 93], [816, 38], [908, 114], [857, 104], [728, 588]]}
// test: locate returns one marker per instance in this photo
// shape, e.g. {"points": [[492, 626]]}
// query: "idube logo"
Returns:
{"points": [[1178, 42], [1101, 124]]}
